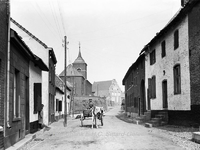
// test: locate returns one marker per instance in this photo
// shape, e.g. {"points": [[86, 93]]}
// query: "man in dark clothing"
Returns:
{"points": [[90, 104]]}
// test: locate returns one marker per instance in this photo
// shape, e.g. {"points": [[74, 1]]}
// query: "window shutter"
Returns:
{"points": [[150, 88]]}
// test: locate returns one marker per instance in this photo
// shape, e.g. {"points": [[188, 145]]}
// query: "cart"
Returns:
{"points": [[87, 115]]}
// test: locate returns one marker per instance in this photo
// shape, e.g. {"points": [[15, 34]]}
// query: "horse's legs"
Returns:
{"points": [[96, 124], [92, 120]]}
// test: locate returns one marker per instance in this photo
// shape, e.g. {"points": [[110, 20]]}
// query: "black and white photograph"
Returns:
{"points": [[99, 74]]}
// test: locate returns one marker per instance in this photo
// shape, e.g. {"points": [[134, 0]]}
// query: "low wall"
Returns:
{"points": [[81, 103]]}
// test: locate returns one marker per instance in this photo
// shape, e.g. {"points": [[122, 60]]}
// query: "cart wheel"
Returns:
{"points": [[101, 120]]}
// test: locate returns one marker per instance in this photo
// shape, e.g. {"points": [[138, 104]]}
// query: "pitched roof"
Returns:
{"points": [[29, 33], [102, 85], [178, 17], [51, 52], [35, 59], [60, 84], [71, 71], [79, 59], [133, 66]]}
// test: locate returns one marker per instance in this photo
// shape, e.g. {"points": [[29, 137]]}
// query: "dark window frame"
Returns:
{"points": [[153, 57], [177, 79], [176, 39], [163, 49]]}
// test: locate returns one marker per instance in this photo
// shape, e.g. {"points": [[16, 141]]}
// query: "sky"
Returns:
{"points": [[111, 32]]}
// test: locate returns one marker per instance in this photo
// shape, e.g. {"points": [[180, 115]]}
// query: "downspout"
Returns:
{"points": [[8, 69]]}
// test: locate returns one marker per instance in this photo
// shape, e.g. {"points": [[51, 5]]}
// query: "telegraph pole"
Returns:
{"points": [[65, 111]]}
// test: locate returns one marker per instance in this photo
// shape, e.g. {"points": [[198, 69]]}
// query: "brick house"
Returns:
{"points": [[134, 81], [48, 78], [108, 89], [3, 64], [172, 66]]}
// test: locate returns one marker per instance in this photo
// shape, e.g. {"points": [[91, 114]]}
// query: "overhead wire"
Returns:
{"points": [[44, 19], [55, 18], [60, 11]]}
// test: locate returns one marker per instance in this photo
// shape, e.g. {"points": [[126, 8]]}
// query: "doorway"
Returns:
{"points": [[164, 93]]}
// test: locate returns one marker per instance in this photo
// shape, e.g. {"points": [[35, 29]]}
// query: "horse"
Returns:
{"points": [[97, 113]]}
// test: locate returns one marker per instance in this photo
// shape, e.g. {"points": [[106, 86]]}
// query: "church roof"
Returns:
{"points": [[79, 59], [102, 87], [71, 71]]}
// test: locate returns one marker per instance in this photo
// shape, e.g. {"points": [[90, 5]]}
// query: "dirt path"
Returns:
{"points": [[114, 135]]}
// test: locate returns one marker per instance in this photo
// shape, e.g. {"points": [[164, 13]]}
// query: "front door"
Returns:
{"points": [[164, 93]]}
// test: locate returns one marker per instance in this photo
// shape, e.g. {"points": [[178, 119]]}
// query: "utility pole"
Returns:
{"points": [[65, 111]]}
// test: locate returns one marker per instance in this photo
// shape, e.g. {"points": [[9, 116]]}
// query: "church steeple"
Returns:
{"points": [[79, 59], [80, 64]]}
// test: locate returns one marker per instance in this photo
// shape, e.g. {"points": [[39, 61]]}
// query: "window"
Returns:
{"points": [[60, 106], [79, 69], [163, 49], [135, 102], [152, 57], [152, 87], [176, 39], [16, 94], [177, 79]]}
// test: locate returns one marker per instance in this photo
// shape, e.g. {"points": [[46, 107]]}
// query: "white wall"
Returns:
{"points": [[173, 57], [35, 76], [43, 53], [61, 97]]}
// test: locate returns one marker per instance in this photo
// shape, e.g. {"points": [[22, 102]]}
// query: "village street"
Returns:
{"points": [[114, 135]]}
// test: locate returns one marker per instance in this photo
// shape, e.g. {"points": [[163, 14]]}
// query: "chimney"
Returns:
{"points": [[184, 2]]}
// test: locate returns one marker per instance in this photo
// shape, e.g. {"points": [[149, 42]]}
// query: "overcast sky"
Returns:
{"points": [[111, 32]]}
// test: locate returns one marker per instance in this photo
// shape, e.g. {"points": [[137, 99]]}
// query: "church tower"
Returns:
{"points": [[80, 65]]}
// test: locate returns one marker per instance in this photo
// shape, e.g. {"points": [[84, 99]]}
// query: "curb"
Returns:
{"points": [[22, 143]]}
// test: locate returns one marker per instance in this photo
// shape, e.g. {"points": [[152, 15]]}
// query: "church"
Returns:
{"points": [[76, 74]]}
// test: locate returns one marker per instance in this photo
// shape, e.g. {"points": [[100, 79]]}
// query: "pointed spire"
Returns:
{"points": [[79, 54], [79, 59]]}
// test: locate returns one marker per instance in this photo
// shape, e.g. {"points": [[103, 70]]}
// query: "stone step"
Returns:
{"points": [[148, 125], [163, 113], [163, 123], [161, 116], [157, 119], [154, 123], [196, 137]]}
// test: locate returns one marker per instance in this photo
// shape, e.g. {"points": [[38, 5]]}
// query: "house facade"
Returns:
{"points": [[60, 98], [108, 89], [17, 106], [3, 65], [172, 66], [134, 81], [35, 91], [48, 82]]}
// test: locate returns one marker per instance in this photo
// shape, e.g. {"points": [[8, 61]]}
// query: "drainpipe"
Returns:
{"points": [[8, 69]]}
